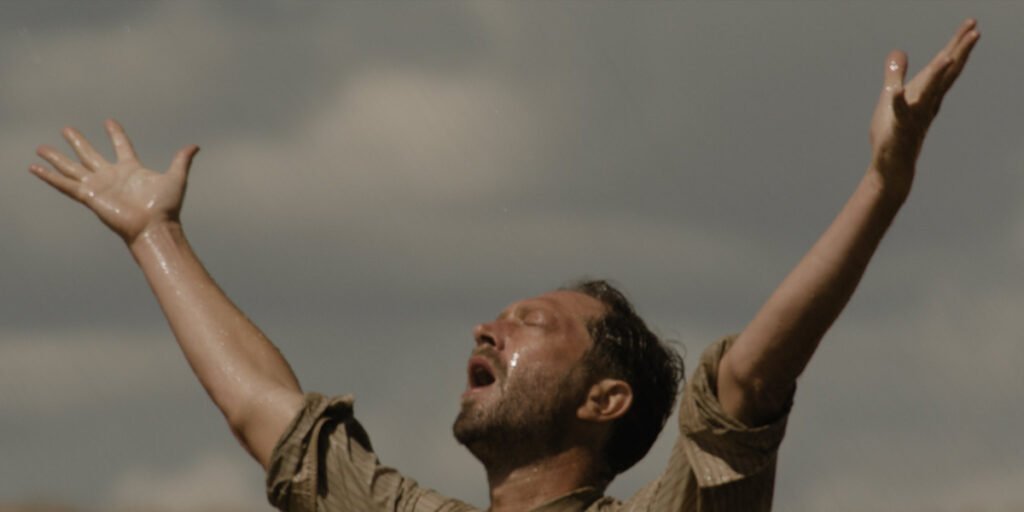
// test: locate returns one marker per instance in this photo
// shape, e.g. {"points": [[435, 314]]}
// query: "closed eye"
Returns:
{"points": [[537, 318]]}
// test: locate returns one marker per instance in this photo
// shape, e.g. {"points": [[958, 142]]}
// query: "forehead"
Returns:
{"points": [[564, 303]]}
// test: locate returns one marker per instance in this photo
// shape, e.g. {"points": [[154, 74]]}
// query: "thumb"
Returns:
{"points": [[895, 73], [895, 70], [183, 161]]}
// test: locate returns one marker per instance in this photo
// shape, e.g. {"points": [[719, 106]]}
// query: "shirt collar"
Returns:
{"points": [[575, 501]]}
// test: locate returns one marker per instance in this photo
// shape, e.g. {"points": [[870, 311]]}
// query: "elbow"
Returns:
{"points": [[240, 422], [245, 410], [751, 398], [238, 427], [258, 423]]}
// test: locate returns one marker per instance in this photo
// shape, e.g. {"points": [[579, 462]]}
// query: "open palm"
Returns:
{"points": [[126, 196], [904, 112]]}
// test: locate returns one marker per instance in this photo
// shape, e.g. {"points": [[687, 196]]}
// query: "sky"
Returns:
{"points": [[378, 177]]}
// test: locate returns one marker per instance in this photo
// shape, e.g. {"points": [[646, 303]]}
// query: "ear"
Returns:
{"points": [[607, 400]]}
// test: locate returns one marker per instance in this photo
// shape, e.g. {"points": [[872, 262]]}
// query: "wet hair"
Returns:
{"points": [[625, 348]]}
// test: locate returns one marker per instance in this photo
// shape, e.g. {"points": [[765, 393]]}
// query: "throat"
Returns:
{"points": [[525, 486]]}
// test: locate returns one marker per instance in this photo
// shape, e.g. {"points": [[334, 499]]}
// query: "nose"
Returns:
{"points": [[486, 334]]}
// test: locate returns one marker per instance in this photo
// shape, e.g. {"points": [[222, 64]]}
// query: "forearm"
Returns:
{"points": [[760, 370], [242, 371], [758, 374]]}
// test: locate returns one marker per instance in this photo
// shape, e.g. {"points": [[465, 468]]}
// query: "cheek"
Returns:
{"points": [[530, 384], [530, 358], [537, 368], [543, 389]]}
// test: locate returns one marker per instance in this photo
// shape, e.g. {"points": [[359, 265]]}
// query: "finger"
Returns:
{"points": [[961, 32], [89, 156], [122, 144], [947, 64], [65, 185], [895, 71], [63, 164], [932, 79], [960, 56], [182, 162]]}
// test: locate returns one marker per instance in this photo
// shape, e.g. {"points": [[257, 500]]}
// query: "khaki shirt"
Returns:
{"points": [[324, 462]]}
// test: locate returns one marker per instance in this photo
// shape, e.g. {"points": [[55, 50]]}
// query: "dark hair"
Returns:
{"points": [[624, 348]]}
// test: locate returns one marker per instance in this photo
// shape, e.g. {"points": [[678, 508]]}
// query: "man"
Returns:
{"points": [[565, 390]]}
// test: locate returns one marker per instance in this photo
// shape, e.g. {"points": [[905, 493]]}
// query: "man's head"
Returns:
{"points": [[625, 348], [575, 365]]}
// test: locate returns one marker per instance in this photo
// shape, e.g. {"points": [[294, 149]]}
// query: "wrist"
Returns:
{"points": [[891, 187], [157, 234]]}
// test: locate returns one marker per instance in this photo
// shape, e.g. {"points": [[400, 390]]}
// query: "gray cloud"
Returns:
{"points": [[51, 371], [375, 178], [213, 482]]}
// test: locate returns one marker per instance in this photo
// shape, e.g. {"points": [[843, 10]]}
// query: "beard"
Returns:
{"points": [[529, 417]]}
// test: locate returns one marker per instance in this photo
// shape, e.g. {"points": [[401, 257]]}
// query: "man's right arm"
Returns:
{"points": [[242, 371]]}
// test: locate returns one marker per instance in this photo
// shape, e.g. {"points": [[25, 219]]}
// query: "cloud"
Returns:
{"points": [[969, 333], [388, 138], [995, 490], [73, 71], [367, 166], [213, 482], [56, 371]]}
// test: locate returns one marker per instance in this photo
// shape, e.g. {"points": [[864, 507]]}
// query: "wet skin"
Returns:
{"points": [[522, 358], [546, 334], [529, 350]]}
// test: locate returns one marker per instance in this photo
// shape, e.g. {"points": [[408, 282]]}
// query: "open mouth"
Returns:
{"points": [[480, 373]]}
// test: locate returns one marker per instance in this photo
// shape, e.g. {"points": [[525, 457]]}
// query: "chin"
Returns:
{"points": [[467, 426]]}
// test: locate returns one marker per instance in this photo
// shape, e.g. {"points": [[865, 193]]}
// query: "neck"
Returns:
{"points": [[527, 485]]}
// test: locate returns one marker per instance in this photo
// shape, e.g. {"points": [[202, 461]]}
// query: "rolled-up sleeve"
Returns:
{"points": [[732, 463], [295, 462], [324, 461], [718, 464]]}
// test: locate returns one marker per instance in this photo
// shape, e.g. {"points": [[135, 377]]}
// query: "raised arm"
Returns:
{"points": [[241, 370], [757, 375]]}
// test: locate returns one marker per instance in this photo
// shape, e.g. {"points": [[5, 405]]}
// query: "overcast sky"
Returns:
{"points": [[377, 178]]}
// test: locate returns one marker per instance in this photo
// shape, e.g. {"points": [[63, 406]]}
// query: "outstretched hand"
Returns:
{"points": [[905, 111], [126, 196]]}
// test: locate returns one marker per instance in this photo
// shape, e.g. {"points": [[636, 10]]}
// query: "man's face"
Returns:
{"points": [[524, 380]]}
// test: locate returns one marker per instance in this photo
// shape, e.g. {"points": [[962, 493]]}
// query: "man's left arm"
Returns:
{"points": [[757, 375]]}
